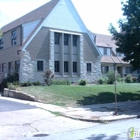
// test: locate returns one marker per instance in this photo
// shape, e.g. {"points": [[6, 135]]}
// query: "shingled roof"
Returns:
{"points": [[104, 41], [39, 13]]}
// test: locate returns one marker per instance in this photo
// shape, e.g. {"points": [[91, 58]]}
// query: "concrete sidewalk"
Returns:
{"points": [[93, 113], [105, 112], [96, 113], [99, 112]]}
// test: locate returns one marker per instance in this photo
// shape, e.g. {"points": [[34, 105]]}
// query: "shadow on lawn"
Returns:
{"points": [[108, 97]]}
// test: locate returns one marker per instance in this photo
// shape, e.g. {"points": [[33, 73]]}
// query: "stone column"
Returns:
{"points": [[26, 67], [62, 54], [81, 66], [70, 56], [51, 60]]}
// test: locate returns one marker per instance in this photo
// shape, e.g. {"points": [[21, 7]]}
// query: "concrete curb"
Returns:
{"points": [[18, 95], [103, 120]]}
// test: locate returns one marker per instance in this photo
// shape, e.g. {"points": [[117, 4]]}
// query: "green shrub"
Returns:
{"points": [[36, 83], [25, 84], [128, 78], [111, 77], [121, 80], [11, 86], [101, 81], [60, 82], [82, 82], [134, 79], [11, 78], [16, 83]]}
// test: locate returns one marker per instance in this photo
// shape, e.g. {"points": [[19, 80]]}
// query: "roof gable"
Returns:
{"points": [[39, 13], [64, 16]]}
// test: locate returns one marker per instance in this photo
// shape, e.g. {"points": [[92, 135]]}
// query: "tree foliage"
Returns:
{"points": [[128, 38]]}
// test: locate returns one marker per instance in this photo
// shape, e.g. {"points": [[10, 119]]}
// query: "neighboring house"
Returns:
{"points": [[51, 37], [110, 57]]}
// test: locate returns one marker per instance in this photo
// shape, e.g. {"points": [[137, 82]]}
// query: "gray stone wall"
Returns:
{"points": [[95, 74], [89, 55], [28, 69]]}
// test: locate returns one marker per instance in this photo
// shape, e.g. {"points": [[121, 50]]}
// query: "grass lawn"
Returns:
{"points": [[64, 95]]}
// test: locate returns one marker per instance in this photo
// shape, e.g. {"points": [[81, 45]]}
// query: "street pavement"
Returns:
{"points": [[113, 131], [23, 119], [33, 120]]}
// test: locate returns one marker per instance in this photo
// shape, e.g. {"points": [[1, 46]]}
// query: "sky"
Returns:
{"points": [[96, 14]]}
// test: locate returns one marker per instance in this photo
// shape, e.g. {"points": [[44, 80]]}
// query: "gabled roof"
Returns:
{"points": [[106, 59], [39, 13], [105, 41]]}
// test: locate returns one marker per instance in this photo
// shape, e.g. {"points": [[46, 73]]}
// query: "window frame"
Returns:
{"points": [[106, 69], [102, 69], [13, 38], [89, 67], [75, 40], [57, 38], [66, 66], [1, 43], [57, 66], [106, 51], [66, 39], [10, 67], [74, 67], [3, 67], [17, 65], [40, 65]]}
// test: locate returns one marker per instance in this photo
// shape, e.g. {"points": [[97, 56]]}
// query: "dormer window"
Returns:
{"points": [[13, 38], [105, 51], [1, 43]]}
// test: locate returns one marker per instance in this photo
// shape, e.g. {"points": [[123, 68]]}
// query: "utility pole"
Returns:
{"points": [[116, 108]]}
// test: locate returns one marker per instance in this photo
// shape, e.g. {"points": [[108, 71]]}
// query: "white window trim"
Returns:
{"points": [[65, 32]]}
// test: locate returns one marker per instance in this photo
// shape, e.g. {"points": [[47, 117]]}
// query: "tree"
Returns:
{"points": [[128, 38], [48, 76]]}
